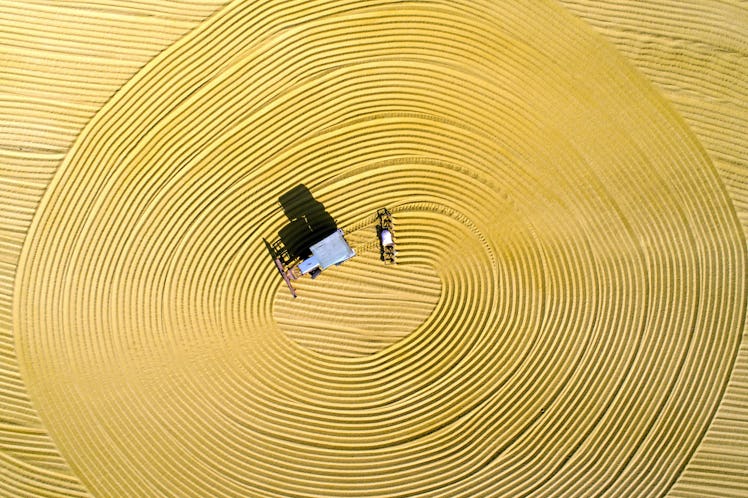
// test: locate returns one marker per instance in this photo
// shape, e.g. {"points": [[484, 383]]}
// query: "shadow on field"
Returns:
{"points": [[309, 222]]}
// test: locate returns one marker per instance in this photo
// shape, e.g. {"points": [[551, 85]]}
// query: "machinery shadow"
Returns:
{"points": [[309, 222]]}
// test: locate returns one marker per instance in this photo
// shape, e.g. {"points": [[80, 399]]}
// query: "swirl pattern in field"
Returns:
{"points": [[570, 280]]}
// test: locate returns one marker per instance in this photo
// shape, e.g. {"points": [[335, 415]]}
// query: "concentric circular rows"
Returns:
{"points": [[59, 63], [566, 306]]}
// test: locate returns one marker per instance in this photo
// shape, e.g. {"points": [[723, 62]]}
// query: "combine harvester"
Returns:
{"points": [[332, 250]]}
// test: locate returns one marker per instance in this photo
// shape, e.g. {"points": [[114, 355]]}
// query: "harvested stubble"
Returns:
{"points": [[565, 314]]}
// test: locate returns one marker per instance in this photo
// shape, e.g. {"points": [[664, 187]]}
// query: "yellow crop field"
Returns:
{"points": [[565, 316]]}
